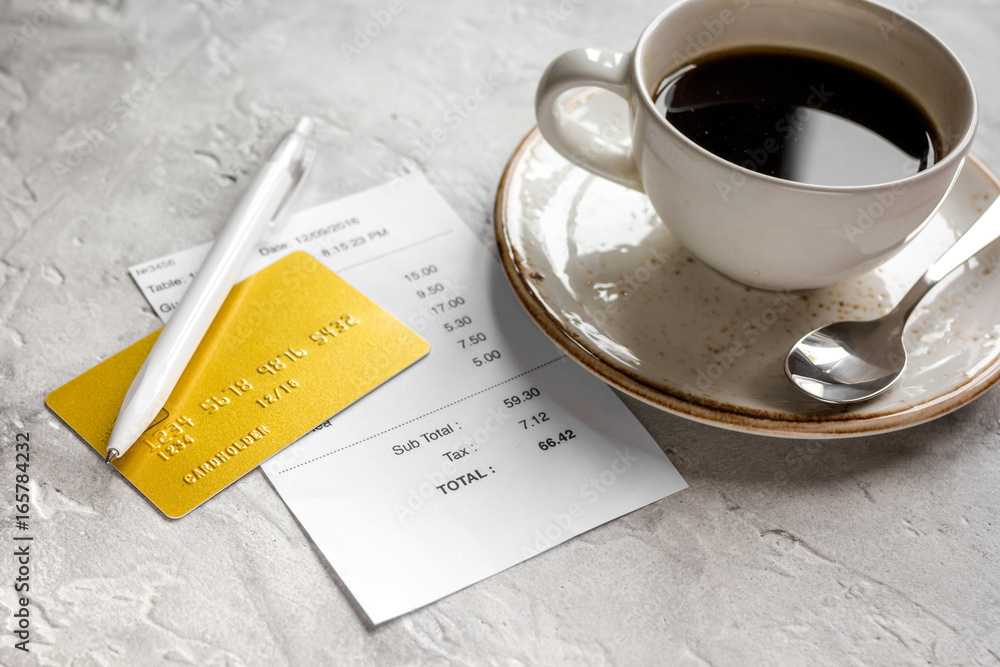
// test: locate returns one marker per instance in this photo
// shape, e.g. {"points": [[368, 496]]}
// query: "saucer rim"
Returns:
{"points": [[845, 424]]}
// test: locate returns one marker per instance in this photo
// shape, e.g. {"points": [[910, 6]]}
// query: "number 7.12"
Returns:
{"points": [[534, 420]]}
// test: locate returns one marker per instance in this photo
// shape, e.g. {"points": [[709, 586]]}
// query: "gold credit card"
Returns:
{"points": [[293, 345]]}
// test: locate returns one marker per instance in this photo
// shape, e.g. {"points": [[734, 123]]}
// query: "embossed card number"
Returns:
{"points": [[255, 385]]}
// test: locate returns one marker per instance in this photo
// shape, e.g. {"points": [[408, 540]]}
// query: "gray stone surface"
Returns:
{"points": [[882, 550]]}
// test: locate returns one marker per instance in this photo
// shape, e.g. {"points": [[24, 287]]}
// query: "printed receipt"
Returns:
{"points": [[494, 448]]}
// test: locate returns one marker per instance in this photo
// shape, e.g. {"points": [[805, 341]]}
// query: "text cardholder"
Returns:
{"points": [[293, 345]]}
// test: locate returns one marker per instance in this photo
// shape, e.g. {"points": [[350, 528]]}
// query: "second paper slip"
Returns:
{"points": [[494, 448]]}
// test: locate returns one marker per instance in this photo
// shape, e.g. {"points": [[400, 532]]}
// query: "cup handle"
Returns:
{"points": [[586, 67]]}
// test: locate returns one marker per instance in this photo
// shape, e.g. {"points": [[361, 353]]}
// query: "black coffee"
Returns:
{"points": [[800, 117]]}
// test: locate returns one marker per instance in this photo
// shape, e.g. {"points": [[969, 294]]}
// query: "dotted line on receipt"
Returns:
{"points": [[410, 421]]}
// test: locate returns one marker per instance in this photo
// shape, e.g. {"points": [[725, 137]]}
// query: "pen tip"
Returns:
{"points": [[304, 126]]}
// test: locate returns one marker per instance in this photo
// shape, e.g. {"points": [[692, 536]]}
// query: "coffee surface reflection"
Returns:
{"points": [[800, 117]]}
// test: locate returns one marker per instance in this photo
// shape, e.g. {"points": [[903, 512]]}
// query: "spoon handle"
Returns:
{"points": [[983, 231]]}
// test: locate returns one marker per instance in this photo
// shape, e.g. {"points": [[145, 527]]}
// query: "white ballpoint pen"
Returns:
{"points": [[267, 197]]}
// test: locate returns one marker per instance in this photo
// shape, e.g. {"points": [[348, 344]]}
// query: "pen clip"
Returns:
{"points": [[302, 167]]}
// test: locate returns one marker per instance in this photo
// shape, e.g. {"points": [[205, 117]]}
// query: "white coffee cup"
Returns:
{"points": [[757, 229]]}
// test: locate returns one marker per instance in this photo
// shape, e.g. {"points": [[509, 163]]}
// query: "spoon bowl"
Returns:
{"points": [[846, 362], [850, 362]]}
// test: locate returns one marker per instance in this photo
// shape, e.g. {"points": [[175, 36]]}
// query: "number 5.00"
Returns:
{"points": [[492, 355]]}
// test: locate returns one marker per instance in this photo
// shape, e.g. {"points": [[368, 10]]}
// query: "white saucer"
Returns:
{"points": [[603, 278]]}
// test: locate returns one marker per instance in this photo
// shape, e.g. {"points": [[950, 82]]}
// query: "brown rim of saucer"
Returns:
{"points": [[845, 423]]}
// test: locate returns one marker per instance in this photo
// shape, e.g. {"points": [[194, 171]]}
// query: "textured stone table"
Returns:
{"points": [[123, 129]]}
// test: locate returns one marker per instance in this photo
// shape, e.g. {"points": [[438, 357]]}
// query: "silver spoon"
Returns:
{"points": [[850, 362]]}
